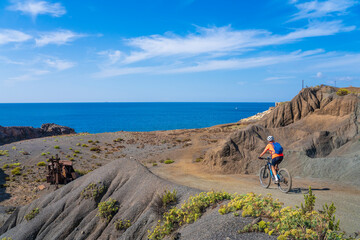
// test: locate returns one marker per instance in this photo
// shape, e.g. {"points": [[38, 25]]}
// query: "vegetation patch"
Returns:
{"points": [[168, 197], [342, 92], [15, 165], [107, 209], [95, 149], [77, 151], [4, 153], [198, 160], [41, 164], [189, 212], [93, 190], [84, 145], [122, 224], [32, 214], [57, 147], [154, 164], [16, 171], [169, 161], [79, 171], [288, 223], [118, 140]]}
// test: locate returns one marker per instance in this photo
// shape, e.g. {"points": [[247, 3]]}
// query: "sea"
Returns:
{"points": [[113, 117]]}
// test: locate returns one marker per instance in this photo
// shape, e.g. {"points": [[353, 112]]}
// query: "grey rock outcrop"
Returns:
{"points": [[314, 124], [13, 134]]}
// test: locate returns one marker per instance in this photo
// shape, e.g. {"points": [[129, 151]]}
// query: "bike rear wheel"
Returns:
{"points": [[285, 180], [265, 177]]}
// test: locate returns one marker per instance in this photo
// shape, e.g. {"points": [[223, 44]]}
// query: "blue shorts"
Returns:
{"points": [[276, 160]]}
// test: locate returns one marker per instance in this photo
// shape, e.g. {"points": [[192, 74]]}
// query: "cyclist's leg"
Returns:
{"points": [[273, 163], [274, 166]]}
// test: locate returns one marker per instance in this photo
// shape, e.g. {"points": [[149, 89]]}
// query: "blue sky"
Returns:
{"points": [[179, 50]]}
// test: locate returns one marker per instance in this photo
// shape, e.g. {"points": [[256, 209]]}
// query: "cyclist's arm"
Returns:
{"points": [[267, 148]]}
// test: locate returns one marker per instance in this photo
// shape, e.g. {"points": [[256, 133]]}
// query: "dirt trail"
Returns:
{"points": [[186, 172]]}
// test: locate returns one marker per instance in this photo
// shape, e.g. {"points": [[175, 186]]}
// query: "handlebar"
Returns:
{"points": [[262, 158]]}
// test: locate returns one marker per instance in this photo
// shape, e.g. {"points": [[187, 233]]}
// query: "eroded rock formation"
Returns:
{"points": [[314, 124], [13, 134]]}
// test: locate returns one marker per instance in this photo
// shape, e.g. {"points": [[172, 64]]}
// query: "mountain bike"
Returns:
{"points": [[283, 175]]}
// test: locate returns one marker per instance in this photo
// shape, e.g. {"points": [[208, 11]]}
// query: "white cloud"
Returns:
{"points": [[59, 64], [34, 8], [8, 35], [10, 61], [337, 61], [113, 56], [319, 75], [222, 40], [31, 74], [59, 38], [318, 9], [212, 65]]}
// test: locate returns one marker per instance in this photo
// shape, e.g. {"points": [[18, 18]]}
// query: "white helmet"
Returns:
{"points": [[270, 138]]}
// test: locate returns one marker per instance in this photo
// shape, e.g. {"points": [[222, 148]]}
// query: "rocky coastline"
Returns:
{"points": [[14, 134]]}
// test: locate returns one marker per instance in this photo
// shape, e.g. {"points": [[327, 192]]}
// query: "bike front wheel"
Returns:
{"points": [[265, 177], [285, 180]]}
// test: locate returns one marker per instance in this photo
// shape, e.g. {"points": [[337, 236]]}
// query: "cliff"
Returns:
{"points": [[315, 125], [13, 134]]}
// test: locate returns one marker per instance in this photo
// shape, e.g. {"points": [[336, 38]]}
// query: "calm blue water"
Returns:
{"points": [[111, 117]]}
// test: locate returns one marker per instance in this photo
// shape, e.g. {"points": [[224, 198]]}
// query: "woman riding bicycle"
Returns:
{"points": [[277, 156]]}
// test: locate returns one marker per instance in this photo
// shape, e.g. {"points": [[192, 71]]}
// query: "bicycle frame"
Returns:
{"points": [[268, 165]]}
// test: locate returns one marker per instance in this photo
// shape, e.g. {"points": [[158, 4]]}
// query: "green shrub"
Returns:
{"points": [[77, 151], [154, 164], [342, 92], [13, 148], [16, 171], [118, 140], [81, 172], [93, 191], [78, 144], [198, 160], [57, 147], [43, 154], [169, 161], [32, 214], [168, 197], [4, 153], [6, 238], [122, 224], [84, 145], [95, 149], [15, 165], [41, 164], [71, 159], [107, 209], [189, 212], [90, 141], [70, 148], [289, 223]]}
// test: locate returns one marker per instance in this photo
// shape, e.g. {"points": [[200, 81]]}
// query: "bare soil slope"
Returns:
{"points": [[65, 214]]}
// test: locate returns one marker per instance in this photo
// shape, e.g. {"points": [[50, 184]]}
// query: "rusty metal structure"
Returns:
{"points": [[60, 171]]}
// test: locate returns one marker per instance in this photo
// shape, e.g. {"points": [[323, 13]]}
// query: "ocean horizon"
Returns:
{"points": [[98, 117]]}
